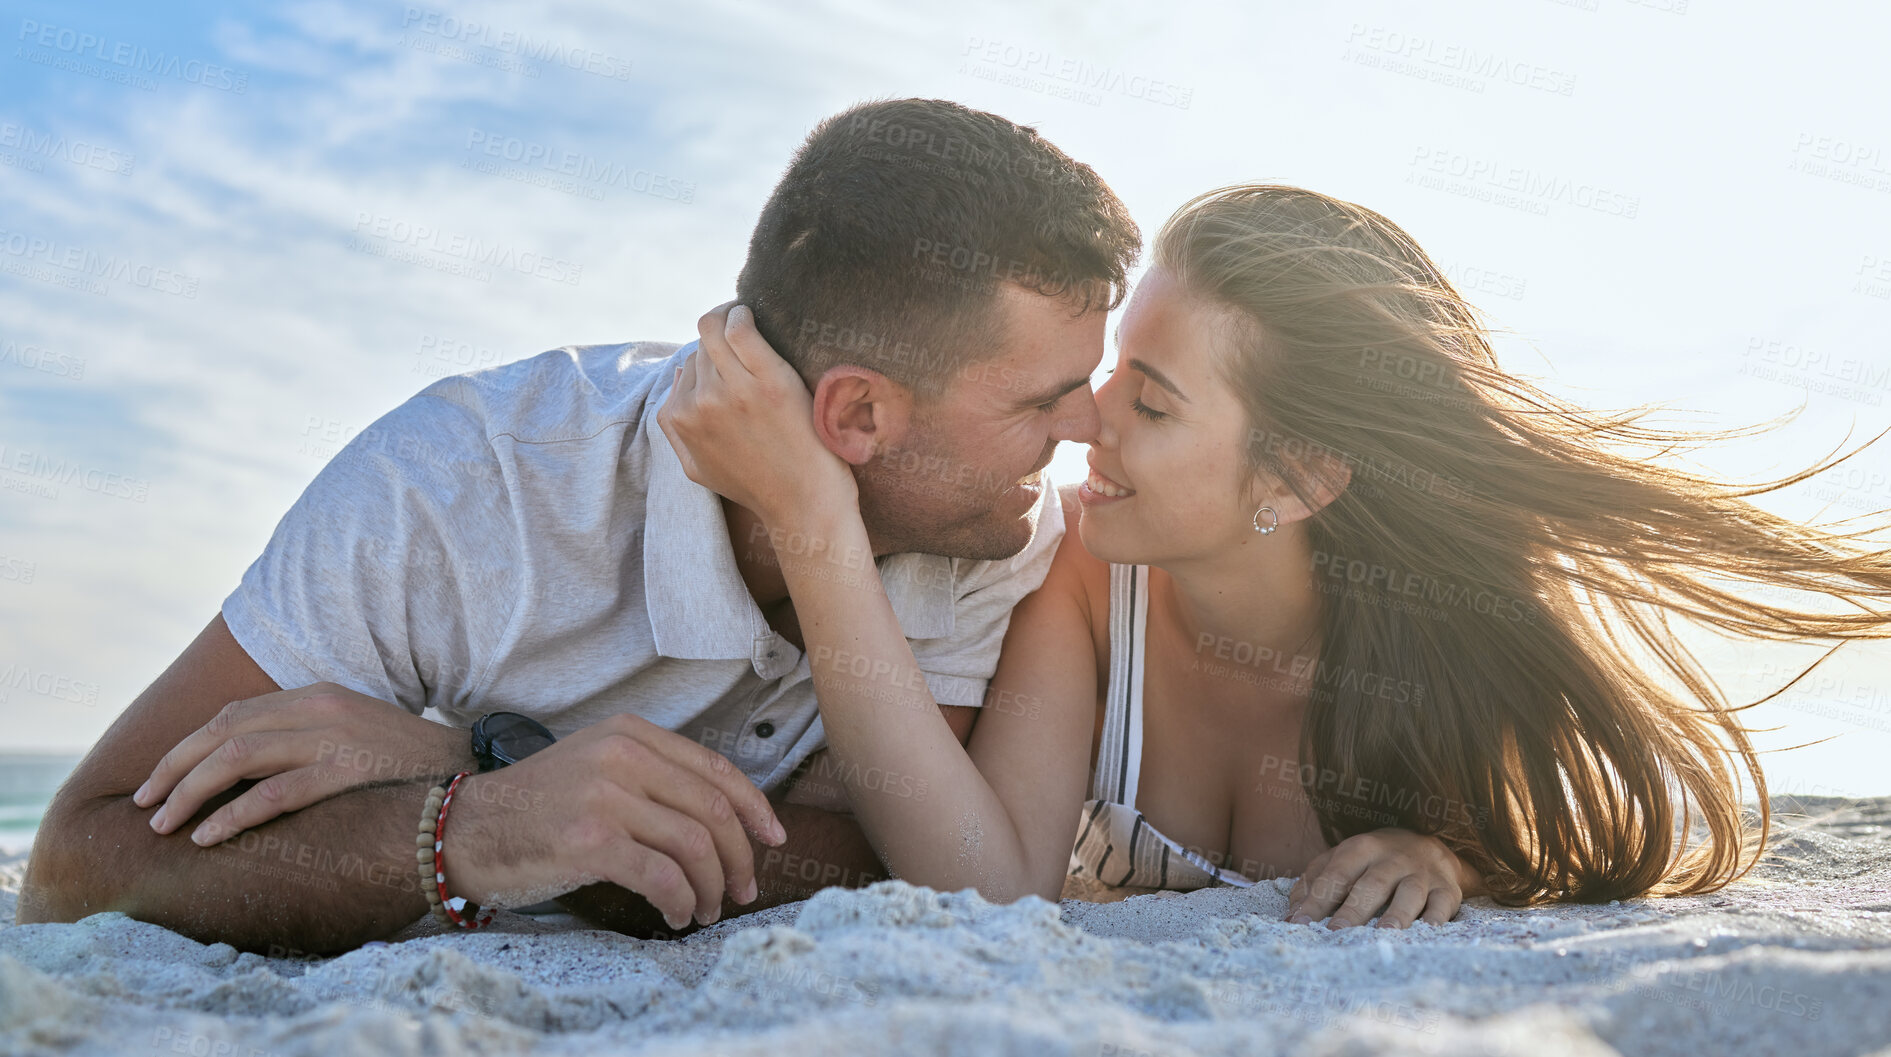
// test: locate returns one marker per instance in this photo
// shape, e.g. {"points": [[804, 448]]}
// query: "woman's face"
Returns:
{"points": [[1168, 477]]}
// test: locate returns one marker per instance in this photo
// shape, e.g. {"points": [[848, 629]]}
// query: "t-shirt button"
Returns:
{"points": [[764, 729]]}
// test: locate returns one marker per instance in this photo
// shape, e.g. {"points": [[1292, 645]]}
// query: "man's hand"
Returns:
{"points": [[623, 801], [1403, 874], [306, 745]]}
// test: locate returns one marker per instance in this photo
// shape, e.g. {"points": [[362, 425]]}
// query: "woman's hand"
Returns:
{"points": [[1395, 874], [306, 745], [742, 423]]}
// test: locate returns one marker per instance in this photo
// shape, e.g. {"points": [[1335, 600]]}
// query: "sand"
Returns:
{"points": [[1796, 960]]}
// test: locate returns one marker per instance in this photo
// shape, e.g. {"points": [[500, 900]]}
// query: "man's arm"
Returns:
{"points": [[328, 877]]}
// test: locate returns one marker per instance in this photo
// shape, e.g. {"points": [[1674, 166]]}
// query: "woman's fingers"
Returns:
{"points": [[709, 376], [714, 320], [1359, 879], [278, 794], [757, 356], [686, 378], [1367, 896], [678, 406], [1441, 905], [736, 347], [1408, 901], [1329, 887], [713, 341], [1301, 885]]}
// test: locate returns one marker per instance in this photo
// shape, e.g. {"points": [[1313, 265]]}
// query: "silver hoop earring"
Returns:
{"points": [[1273, 520]]}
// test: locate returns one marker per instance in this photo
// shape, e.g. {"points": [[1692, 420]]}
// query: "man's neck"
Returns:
{"points": [[754, 555]]}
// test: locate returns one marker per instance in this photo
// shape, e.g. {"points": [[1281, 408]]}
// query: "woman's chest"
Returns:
{"points": [[1219, 767], [1220, 776]]}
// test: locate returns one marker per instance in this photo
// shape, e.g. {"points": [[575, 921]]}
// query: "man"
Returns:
{"points": [[522, 542]]}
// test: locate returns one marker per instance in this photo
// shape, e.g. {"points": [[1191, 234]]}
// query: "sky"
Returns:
{"points": [[230, 238]]}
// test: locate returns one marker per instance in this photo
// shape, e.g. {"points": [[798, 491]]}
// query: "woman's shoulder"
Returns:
{"points": [[1073, 566]]}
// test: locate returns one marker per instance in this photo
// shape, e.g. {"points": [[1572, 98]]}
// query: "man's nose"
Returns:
{"points": [[1081, 424]]}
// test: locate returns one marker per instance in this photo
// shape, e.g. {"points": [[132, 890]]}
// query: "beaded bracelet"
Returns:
{"points": [[424, 851], [432, 860]]}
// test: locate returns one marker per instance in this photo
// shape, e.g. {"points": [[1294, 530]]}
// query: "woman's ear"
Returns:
{"points": [[1318, 479], [1324, 477], [860, 412]]}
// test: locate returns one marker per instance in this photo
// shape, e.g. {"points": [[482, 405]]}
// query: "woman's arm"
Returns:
{"points": [[999, 819], [1032, 740]]}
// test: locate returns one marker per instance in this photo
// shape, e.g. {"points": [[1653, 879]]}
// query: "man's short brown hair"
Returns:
{"points": [[884, 243]]}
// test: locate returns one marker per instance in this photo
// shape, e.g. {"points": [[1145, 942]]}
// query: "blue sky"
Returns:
{"points": [[213, 268]]}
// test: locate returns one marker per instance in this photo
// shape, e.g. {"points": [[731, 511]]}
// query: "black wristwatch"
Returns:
{"points": [[501, 738]]}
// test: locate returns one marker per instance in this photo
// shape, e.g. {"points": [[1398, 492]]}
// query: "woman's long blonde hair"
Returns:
{"points": [[1500, 550]]}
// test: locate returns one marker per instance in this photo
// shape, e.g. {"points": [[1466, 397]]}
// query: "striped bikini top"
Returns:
{"points": [[1116, 846]]}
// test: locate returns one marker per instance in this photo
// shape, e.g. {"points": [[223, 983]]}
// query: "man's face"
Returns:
{"points": [[963, 481]]}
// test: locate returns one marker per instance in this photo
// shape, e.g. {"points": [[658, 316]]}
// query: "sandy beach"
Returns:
{"points": [[1795, 959]]}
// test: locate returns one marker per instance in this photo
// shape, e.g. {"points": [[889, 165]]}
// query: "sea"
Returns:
{"points": [[27, 784]]}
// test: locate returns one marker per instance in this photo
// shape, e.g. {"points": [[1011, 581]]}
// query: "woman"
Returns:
{"points": [[1345, 602]]}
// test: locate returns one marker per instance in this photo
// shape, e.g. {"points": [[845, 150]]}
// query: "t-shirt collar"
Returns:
{"points": [[699, 607]]}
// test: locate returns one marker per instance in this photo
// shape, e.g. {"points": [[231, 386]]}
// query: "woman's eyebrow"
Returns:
{"points": [[1160, 379]]}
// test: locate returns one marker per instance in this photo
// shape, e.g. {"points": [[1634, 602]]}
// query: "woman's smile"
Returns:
{"points": [[1098, 489]]}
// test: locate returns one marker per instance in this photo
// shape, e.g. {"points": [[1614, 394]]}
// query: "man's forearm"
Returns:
{"points": [[823, 849], [326, 878]]}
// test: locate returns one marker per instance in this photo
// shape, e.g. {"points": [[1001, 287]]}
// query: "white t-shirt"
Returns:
{"points": [[523, 539]]}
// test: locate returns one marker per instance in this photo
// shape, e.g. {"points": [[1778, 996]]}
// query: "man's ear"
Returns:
{"points": [[858, 412]]}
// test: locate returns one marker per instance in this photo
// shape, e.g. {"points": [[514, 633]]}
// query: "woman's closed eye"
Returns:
{"points": [[1136, 405]]}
